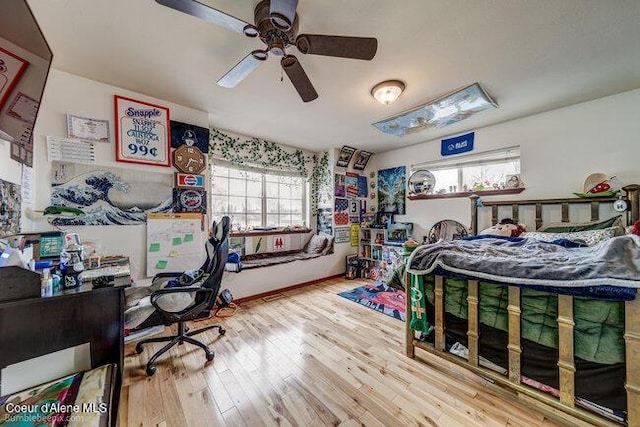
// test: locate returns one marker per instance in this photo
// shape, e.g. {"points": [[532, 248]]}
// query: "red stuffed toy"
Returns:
{"points": [[636, 228]]}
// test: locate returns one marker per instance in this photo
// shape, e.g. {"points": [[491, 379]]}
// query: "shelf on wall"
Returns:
{"points": [[466, 194]]}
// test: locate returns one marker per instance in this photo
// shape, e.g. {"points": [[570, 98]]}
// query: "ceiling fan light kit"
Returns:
{"points": [[276, 24], [388, 91]]}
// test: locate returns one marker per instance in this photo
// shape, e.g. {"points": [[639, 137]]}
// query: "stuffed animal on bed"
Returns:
{"points": [[506, 227], [634, 229]]}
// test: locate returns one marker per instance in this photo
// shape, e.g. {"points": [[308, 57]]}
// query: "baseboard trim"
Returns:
{"points": [[288, 288]]}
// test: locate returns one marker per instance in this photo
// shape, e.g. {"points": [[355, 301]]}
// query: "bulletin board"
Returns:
{"points": [[175, 242]]}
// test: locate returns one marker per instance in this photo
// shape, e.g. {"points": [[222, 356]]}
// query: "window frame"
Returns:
{"points": [[265, 176], [487, 158]]}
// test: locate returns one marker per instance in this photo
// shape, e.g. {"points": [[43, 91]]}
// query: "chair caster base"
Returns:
{"points": [[210, 355], [222, 331], [139, 348]]}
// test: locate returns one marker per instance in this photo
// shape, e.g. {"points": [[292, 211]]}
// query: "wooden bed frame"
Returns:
{"points": [[563, 407]]}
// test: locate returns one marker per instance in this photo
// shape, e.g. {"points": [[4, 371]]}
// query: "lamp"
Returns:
{"points": [[388, 91]]}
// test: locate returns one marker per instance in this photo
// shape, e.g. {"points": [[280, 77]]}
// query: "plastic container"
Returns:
{"points": [[46, 284]]}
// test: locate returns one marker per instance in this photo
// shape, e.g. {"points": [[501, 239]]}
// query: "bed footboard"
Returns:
{"points": [[560, 408]]}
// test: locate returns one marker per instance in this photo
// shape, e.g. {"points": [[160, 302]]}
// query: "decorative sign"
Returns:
{"points": [[11, 69], [341, 215], [142, 132], [342, 234], [362, 159], [392, 190], [354, 235], [189, 200], [186, 180], [352, 183], [278, 243], [457, 145], [339, 185], [324, 223], [87, 129], [23, 108], [362, 186], [11, 207], [191, 135], [70, 150], [345, 156], [22, 147]]}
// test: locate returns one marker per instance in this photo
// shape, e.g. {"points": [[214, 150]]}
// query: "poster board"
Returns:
{"points": [[175, 242]]}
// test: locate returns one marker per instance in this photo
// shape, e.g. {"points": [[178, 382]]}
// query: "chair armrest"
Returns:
{"points": [[167, 274], [202, 299]]}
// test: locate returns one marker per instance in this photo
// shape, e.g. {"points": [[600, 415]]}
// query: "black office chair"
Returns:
{"points": [[184, 303]]}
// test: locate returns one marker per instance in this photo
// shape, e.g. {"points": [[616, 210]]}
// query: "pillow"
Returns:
{"points": [[568, 227], [590, 237], [328, 249], [316, 244], [508, 230]]}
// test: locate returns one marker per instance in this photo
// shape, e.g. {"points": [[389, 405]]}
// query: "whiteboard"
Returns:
{"points": [[175, 242]]}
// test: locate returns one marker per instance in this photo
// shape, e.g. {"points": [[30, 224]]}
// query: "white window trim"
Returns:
{"points": [[263, 175]]}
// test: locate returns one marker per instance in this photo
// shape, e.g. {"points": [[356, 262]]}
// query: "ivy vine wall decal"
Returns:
{"points": [[249, 152]]}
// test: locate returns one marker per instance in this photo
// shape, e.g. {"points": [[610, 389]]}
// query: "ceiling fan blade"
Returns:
{"points": [[282, 13], [298, 77], [341, 46], [242, 69], [202, 11]]}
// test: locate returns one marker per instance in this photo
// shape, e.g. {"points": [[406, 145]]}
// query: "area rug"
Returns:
{"points": [[379, 297]]}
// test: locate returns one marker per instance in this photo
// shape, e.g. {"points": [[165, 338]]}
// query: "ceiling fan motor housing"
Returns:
{"points": [[275, 38]]}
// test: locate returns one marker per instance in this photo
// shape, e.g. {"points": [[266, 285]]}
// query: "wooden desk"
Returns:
{"points": [[37, 326]]}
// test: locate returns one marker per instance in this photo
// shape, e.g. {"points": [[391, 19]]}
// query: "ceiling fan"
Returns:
{"points": [[276, 24]]}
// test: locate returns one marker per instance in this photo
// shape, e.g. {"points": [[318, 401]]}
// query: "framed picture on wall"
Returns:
{"points": [[11, 69], [345, 156], [361, 160], [142, 132]]}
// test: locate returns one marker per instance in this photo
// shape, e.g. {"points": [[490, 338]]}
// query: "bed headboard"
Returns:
{"points": [[631, 194]]}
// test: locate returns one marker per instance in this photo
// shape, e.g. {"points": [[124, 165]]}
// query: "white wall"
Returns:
{"points": [[559, 149], [69, 94], [260, 280]]}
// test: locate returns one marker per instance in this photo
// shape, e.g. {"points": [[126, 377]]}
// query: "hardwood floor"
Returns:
{"points": [[310, 358]]}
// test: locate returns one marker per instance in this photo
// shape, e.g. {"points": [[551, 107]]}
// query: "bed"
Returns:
{"points": [[570, 349]]}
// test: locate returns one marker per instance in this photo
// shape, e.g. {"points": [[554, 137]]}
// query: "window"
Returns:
{"points": [[475, 172], [258, 199]]}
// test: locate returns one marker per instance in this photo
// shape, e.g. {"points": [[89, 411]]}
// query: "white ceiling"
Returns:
{"points": [[531, 56]]}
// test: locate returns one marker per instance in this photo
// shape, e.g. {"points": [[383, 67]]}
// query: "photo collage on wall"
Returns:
{"points": [[350, 191]]}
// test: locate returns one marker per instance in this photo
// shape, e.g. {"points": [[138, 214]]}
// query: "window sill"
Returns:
{"points": [[252, 233], [465, 194]]}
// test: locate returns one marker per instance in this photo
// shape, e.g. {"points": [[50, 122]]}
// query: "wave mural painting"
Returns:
{"points": [[108, 196]]}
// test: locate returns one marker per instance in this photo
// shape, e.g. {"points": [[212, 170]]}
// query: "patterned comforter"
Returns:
{"points": [[613, 262]]}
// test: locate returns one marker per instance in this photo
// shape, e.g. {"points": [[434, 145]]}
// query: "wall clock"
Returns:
{"points": [[188, 159], [189, 200]]}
